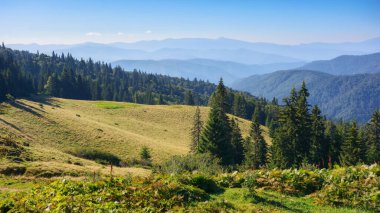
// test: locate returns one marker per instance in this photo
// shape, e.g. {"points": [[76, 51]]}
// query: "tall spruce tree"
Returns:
{"points": [[51, 86], [302, 131], [319, 147], [216, 135], [237, 142], [189, 99], [373, 150], [350, 153], [334, 138], [196, 131], [255, 146], [284, 137]]}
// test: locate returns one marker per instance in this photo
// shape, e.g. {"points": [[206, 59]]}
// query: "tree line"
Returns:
{"points": [[301, 136], [23, 73]]}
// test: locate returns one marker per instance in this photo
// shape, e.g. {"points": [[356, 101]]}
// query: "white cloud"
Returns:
{"points": [[120, 34], [93, 34], [148, 32]]}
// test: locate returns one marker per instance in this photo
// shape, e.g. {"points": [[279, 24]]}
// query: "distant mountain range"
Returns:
{"points": [[339, 97], [215, 49], [207, 69], [347, 65]]}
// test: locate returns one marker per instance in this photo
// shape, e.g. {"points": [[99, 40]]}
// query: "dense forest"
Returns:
{"points": [[301, 137], [23, 73]]}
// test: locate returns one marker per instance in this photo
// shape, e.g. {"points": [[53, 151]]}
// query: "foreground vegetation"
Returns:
{"points": [[351, 189]]}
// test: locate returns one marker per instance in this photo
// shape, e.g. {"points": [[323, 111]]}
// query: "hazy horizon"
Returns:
{"points": [[281, 22]]}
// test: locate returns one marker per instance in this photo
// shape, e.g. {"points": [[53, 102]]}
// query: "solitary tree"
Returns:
{"points": [[145, 154]]}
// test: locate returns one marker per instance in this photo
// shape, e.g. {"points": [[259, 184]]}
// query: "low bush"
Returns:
{"points": [[96, 155], [202, 163], [201, 181], [352, 186], [115, 195], [289, 181]]}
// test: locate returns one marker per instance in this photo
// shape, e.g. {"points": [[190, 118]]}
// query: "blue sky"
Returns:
{"points": [[278, 21]]}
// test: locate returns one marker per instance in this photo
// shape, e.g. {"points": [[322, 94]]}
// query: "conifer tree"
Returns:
{"points": [[302, 130], [350, 153], [51, 86], [237, 142], [216, 135], [255, 146], [318, 148], [334, 141], [373, 144], [196, 131], [284, 137], [189, 99]]}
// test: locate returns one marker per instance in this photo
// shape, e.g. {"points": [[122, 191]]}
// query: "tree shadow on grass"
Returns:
{"points": [[46, 100], [26, 108], [10, 124], [270, 202]]}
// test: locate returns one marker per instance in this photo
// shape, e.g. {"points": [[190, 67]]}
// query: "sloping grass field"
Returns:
{"points": [[54, 127]]}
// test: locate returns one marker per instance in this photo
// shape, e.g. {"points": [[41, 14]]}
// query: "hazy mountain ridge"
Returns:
{"points": [[346, 97], [347, 64], [216, 49], [205, 69]]}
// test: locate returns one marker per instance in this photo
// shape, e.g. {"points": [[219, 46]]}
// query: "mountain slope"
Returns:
{"points": [[347, 65], [346, 97], [204, 69], [51, 127]]}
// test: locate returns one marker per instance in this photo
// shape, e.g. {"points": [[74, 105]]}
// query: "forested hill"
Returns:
{"points": [[347, 64], [347, 97], [23, 73]]}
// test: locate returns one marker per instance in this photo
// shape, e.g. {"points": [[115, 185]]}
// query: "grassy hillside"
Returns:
{"points": [[48, 129]]}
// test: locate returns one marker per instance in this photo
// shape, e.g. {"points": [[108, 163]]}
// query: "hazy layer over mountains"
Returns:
{"points": [[215, 49]]}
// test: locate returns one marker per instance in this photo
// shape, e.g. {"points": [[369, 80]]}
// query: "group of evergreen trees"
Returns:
{"points": [[23, 73], [300, 136]]}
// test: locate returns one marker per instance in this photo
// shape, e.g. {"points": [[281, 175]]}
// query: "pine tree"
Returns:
{"points": [[216, 136], [350, 153], [237, 142], [302, 131], [334, 140], [51, 86], [373, 144], [189, 99], [255, 146], [319, 148], [219, 98], [284, 137], [196, 131]]}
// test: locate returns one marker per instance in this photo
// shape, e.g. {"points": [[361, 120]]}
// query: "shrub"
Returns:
{"points": [[202, 163], [96, 155], [114, 195], [352, 186], [200, 181], [233, 180], [289, 181]]}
